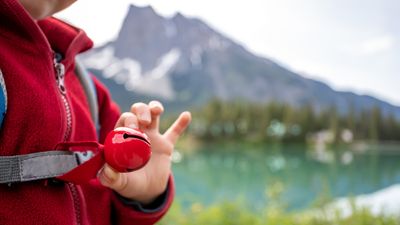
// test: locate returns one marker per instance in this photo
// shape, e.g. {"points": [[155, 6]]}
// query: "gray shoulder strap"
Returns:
{"points": [[90, 90], [36, 166], [40, 165]]}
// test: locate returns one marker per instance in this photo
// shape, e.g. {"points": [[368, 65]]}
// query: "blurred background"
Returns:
{"points": [[295, 104]]}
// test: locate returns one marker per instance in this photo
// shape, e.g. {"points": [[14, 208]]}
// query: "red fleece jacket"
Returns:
{"points": [[37, 120]]}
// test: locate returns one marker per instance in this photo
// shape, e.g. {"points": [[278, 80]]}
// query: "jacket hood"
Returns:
{"points": [[50, 33]]}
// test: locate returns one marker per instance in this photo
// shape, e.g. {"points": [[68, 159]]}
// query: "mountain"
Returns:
{"points": [[184, 63]]}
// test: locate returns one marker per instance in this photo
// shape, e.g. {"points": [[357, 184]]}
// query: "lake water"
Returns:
{"points": [[240, 171]]}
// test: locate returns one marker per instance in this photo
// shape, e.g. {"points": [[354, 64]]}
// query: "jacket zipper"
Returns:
{"points": [[75, 197], [60, 75]]}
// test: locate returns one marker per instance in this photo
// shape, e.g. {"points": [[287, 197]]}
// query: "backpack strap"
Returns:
{"points": [[3, 99], [40, 165], [90, 91], [87, 84], [52, 163]]}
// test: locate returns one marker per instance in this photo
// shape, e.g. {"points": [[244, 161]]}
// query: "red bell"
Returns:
{"points": [[126, 149]]}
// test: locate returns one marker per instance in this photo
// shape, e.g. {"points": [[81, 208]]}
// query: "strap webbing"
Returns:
{"points": [[90, 91], [36, 166]]}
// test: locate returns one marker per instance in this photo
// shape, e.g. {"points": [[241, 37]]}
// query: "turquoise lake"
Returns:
{"points": [[238, 171]]}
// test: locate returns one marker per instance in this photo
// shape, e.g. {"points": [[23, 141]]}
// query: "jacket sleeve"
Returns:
{"points": [[127, 211]]}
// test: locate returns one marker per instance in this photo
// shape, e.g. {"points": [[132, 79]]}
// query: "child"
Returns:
{"points": [[47, 106]]}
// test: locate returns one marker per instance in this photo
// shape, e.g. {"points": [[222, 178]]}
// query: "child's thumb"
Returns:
{"points": [[111, 178]]}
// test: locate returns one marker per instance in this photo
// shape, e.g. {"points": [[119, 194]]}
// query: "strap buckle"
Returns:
{"points": [[82, 157]]}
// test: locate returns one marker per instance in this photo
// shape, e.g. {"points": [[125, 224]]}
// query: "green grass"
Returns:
{"points": [[235, 213], [238, 212]]}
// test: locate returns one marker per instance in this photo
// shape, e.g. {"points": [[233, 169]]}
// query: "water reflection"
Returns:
{"points": [[222, 172]]}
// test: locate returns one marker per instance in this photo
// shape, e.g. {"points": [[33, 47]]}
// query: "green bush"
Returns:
{"points": [[237, 212]]}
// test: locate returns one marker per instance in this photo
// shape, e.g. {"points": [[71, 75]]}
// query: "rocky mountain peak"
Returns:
{"points": [[140, 12], [178, 16], [186, 62], [146, 36]]}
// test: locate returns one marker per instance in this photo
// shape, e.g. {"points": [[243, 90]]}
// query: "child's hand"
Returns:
{"points": [[146, 184]]}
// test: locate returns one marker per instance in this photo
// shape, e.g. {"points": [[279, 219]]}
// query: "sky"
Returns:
{"points": [[352, 45]]}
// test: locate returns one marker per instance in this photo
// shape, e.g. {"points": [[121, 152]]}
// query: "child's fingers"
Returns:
{"points": [[127, 119], [142, 111], [177, 128], [131, 121], [156, 109]]}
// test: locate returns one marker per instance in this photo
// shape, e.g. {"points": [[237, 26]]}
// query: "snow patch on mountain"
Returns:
{"points": [[99, 59], [128, 72], [166, 63]]}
